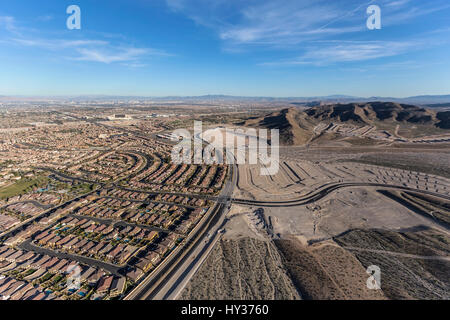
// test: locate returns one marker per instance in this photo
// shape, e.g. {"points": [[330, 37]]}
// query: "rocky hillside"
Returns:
{"points": [[367, 113], [296, 126]]}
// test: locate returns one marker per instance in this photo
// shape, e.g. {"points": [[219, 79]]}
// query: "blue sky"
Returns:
{"points": [[234, 47]]}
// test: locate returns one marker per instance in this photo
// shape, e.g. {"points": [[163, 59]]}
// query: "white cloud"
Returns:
{"points": [[397, 3], [401, 13], [45, 18], [8, 23], [122, 55], [276, 24], [273, 23], [134, 65], [94, 50], [351, 51], [310, 27], [57, 44]]}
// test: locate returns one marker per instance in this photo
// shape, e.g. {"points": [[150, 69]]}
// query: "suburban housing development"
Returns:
{"points": [[92, 205], [224, 154]]}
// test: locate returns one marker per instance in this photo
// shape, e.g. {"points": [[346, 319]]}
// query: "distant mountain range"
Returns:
{"points": [[430, 100], [369, 113], [297, 126]]}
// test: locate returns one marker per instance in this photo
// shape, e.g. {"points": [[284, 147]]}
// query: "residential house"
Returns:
{"points": [[104, 284]]}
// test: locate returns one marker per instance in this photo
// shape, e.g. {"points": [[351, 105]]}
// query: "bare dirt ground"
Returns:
{"points": [[325, 271], [343, 210], [404, 277], [431, 162], [301, 177], [323, 248], [244, 264], [239, 225], [242, 269]]}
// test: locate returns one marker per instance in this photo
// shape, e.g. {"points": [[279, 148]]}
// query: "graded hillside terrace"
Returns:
{"points": [[358, 124]]}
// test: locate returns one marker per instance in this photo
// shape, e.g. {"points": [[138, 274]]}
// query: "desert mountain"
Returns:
{"points": [[444, 119], [294, 126], [297, 126], [367, 113]]}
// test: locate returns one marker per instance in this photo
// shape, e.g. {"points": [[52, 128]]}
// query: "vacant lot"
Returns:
{"points": [[432, 163], [242, 269], [405, 277], [325, 271]]}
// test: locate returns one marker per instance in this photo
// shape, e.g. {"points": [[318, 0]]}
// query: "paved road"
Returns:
{"points": [[14, 230], [116, 222], [313, 196], [192, 262], [148, 286], [188, 268], [156, 192], [173, 270], [65, 176], [34, 202], [324, 190], [29, 246], [152, 201]]}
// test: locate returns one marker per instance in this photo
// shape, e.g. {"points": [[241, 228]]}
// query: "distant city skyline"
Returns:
{"points": [[254, 48]]}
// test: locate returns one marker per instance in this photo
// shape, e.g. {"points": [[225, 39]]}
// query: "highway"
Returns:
{"points": [[197, 259], [173, 271], [201, 251]]}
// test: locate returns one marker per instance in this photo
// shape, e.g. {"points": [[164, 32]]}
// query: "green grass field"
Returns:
{"points": [[22, 186]]}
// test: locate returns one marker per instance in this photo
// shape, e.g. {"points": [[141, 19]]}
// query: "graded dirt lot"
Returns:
{"points": [[244, 264], [239, 226], [397, 218], [430, 162], [299, 178], [414, 263], [325, 271], [343, 210], [246, 268]]}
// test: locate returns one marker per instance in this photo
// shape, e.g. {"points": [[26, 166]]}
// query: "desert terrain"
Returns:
{"points": [[357, 186]]}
